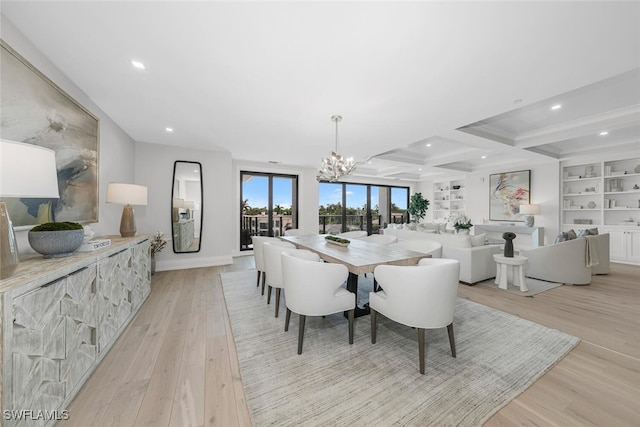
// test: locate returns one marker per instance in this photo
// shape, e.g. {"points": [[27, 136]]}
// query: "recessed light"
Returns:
{"points": [[483, 157], [603, 133], [137, 64], [556, 107], [169, 129], [428, 145], [419, 169]]}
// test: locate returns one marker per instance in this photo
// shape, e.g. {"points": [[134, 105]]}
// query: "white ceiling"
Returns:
{"points": [[262, 79]]}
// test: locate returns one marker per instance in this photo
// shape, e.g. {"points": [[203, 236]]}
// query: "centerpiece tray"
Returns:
{"points": [[334, 240]]}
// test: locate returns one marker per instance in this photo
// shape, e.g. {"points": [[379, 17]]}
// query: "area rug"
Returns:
{"points": [[336, 384], [534, 286]]}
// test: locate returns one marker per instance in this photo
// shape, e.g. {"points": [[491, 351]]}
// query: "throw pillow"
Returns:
{"points": [[571, 235], [477, 240], [593, 231], [583, 233], [562, 237]]}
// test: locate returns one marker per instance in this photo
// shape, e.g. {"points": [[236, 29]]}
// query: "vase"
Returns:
{"points": [[508, 244], [153, 265], [463, 231]]}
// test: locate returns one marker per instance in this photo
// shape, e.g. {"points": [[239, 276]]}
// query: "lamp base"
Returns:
{"points": [[127, 222], [528, 220], [9, 258]]}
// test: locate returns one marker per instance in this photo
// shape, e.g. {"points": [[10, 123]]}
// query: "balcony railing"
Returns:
{"points": [[332, 224]]}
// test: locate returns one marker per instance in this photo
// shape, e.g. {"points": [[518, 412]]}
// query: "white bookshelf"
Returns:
{"points": [[448, 198]]}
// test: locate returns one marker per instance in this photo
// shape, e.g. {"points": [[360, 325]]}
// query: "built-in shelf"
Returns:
{"points": [[609, 200], [447, 199]]}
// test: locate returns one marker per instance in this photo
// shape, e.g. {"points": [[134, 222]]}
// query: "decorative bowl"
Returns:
{"points": [[56, 244]]}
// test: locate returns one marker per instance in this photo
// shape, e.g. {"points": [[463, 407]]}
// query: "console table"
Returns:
{"points": [[60, 316], [536, 234]]}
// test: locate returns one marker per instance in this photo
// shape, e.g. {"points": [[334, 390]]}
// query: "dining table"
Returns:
{"points": [[359, 256]]}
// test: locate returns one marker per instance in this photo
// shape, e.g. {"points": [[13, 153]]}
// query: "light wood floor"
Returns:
{"points": [[176, 363]]}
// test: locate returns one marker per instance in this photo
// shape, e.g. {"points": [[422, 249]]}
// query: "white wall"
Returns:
{"points": [[116, 147], [154, 168], [545, 190]]}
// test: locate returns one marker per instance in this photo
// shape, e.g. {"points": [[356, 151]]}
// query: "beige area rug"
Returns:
{"points": [[534, 286], [336, 384]]}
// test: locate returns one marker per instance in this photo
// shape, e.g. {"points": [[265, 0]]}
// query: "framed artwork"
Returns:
{"points": [[36, 111], [507, 191]]}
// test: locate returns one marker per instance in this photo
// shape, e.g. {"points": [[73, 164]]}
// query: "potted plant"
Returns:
{"points": [[56, 239], [462, 223], [418, 207], [158, 242]]}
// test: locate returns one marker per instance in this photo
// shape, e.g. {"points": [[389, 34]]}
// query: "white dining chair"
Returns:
{"points": [[427, 247], [380, 239], [298, 232], [355, 234], [259, 258], [271, 252], [314, 288], [421, 296]]}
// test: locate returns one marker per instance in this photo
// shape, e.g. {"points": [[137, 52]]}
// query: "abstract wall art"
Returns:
{"points": [[35, 110], [507, 191]]}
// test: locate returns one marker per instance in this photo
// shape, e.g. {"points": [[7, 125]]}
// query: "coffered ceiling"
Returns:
{"points": [[474, 80]]}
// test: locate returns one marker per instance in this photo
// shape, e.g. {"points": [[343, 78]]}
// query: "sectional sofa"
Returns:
{"points": [[476, 258]]}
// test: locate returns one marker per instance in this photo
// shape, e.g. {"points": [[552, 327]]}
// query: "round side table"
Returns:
{"points": [[516, 263]]}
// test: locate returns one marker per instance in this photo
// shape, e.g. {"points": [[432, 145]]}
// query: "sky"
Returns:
{"points": [[255, 190]]}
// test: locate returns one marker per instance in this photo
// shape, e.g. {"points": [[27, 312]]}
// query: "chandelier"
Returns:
{"points": [[335, 166]]}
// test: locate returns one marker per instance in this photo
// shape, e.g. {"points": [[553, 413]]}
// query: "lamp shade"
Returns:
{"points": [[189, 204], [530, 209], [27, 170], [126, 194]]}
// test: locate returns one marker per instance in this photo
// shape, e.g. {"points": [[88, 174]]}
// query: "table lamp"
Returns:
{"points": [[127, 194], [26, 171], [530, 211]]}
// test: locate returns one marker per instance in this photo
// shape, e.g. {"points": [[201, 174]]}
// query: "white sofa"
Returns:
{"points": [[476, 258], [570, 261]]}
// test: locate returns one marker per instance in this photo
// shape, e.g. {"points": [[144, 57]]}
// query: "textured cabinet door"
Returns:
{"points": [[79, 308], [114, 295], [38, 349], [141, 272]]}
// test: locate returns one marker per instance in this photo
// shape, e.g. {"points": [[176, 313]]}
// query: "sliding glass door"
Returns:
{"points": [[346, 207], [269, 205]]}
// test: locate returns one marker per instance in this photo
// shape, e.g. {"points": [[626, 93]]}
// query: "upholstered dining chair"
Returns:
{"points": [[380, 239], [271, 252], [298, 232], [313, 288], [355, 234], [421, 296], [427, 247], [259, 258]]}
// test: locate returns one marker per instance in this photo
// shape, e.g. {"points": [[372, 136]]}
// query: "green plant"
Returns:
{"points": [[418, 206], [338, 239], [57, 226], [461, 221]]}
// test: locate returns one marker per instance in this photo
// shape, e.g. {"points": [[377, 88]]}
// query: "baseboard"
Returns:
{"points": [[193, 263]]}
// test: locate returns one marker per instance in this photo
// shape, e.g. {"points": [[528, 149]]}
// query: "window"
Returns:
{"points": [[345, 207], [268, 205]]}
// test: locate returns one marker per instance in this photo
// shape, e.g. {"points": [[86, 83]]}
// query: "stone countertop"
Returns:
{"points": [[37, 270]]}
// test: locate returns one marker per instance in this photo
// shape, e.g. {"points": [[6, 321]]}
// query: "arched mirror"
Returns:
{"points": [[186, 206]]}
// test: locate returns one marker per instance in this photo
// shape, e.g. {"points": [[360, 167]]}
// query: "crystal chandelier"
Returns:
{"points": [[335, 166]]}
